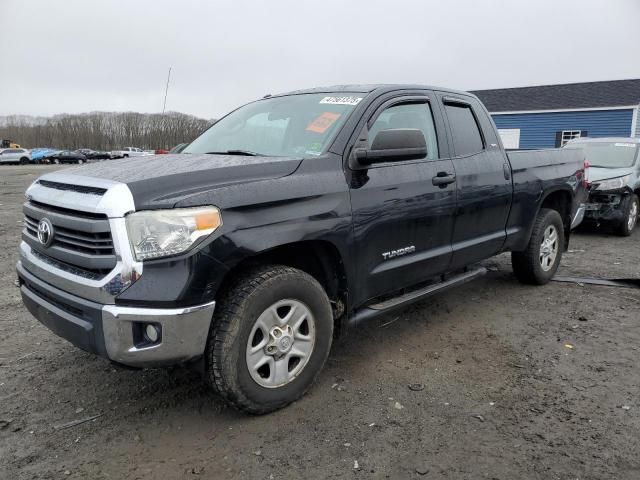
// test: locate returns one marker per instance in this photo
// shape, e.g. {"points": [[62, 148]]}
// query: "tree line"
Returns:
{"points": [[104, 130]]}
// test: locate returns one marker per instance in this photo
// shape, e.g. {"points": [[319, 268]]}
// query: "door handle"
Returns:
{"points": [[442, 179]]}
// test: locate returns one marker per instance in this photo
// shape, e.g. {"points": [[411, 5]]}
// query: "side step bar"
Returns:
{"points": [[376, 309]]}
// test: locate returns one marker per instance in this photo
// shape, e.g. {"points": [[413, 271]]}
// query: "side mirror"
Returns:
{"points": [[394, 145]]}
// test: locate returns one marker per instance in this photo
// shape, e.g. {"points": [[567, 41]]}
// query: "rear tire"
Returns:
{"points": [[630, 209], [251, 319], [24, 161], [538, 263]]}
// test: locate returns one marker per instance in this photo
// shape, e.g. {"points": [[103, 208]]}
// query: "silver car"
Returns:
{"points": [[614, 175], [15, 155]]}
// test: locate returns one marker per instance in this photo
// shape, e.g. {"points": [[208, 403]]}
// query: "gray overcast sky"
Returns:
{"points": [[81, 55]]}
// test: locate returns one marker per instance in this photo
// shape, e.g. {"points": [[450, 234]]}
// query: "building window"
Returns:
{"points": [[569, 135]]}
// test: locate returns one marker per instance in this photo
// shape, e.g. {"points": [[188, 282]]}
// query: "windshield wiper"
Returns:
{"points": [[246, 153]]}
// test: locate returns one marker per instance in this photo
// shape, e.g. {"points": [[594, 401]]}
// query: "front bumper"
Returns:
{"points": [[605, 207], [114, 331]]}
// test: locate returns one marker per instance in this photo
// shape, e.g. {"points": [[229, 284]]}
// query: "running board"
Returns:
{"points": [[376, 309]]}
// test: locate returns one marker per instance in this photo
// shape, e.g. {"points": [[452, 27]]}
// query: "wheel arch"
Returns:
{"points": [[559, 200], [319, 258]]}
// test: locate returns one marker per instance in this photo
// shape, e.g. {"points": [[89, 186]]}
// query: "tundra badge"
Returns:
{"points": [[397, 253]]}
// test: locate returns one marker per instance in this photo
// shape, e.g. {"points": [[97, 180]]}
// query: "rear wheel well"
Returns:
{"points": [[318, 258], [560, 201]]}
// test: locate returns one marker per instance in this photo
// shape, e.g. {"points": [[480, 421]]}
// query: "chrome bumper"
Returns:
{"points": [[184, 334], [109, 330]]}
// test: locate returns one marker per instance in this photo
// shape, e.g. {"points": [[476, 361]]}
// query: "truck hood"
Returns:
{"points": [[160, 181], [597, 173]]}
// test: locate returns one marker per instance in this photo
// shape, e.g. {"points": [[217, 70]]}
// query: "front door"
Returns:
{"points": [[483, 180], [403, 219]]}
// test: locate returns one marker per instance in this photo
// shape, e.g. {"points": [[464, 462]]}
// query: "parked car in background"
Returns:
{"points": [[67, 156], [15, 155], [178, 148], [94, 154], [39, 155], [161, 151], [614, 175], [129, 152], [47, 156]]}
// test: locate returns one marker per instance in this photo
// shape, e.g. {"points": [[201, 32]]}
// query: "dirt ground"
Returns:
{"points": [[519, 382]]}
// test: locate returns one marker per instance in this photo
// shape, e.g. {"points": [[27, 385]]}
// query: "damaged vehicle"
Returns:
{"points": [[288, 221], [614, 175]]}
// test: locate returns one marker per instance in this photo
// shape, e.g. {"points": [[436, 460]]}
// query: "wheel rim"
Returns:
{"points": [[633, 216], [280, 343], [549, 248]]}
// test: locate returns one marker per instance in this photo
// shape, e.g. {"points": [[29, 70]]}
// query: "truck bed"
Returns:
{"points": [[552, 171]]}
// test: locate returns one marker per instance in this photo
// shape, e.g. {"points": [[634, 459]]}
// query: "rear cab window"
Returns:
{"points": [[465, 131]]}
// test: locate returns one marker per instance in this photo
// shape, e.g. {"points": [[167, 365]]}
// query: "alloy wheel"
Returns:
{"points": [[633, 216], [281, 343], [549, 248]]}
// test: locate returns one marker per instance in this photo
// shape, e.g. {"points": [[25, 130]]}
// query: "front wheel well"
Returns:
{"points": [[318, 258]]}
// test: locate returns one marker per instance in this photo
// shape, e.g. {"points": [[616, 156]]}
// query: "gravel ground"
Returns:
{"points": [[516, 382]]}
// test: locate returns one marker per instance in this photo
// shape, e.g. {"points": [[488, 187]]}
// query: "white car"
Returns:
{"points": [[129, 152], [15, 155]]}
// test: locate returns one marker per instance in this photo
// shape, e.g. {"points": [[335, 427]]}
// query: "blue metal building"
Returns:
{"points": [[550, 115]]}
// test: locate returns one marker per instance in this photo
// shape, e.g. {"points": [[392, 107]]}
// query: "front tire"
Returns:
{"points": [[24, 161], [539, 262], [270, 337], [630, 211]]}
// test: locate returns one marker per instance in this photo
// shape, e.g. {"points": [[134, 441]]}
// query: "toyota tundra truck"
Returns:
{"points": [[292, 220]]}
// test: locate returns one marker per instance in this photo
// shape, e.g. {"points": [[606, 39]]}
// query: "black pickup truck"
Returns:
{"points": [[289, 220]]}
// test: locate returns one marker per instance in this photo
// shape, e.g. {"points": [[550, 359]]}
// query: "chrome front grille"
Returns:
{"points": [[81, 240]]}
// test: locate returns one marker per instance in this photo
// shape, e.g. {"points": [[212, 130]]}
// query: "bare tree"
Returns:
{"points": [[103, 130]]}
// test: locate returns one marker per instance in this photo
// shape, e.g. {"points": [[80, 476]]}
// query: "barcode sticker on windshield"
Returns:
{"points": [[341, 100], [631, 145]]}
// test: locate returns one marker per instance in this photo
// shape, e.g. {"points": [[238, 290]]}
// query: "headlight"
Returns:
{"points": [[160, 233], [613, 183]]}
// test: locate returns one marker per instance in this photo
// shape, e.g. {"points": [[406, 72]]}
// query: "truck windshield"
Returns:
{"points": [[608, 155], [293, 125]]}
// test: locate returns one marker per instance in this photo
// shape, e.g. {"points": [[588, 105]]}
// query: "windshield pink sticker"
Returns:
{"points": [[341, 100], [323, 122]]}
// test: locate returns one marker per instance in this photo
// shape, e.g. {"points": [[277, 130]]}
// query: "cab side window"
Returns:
{"points": [[408, 115], [467, 138]]}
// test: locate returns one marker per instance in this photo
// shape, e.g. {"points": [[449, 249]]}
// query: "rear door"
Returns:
{"points": [[402, 222], [11, 155], [483, 181]]}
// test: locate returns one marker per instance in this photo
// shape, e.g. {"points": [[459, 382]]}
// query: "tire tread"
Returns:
{"points": [[526, 263], [231, 304]]}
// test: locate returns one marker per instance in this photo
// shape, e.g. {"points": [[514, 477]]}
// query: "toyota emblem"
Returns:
{"points": [[45, 232]]}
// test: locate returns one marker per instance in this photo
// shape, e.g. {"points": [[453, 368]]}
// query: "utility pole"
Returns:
{"points": [[164, 105]]}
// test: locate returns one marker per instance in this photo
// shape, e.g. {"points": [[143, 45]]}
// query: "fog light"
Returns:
{"points": [[151, 332]]}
